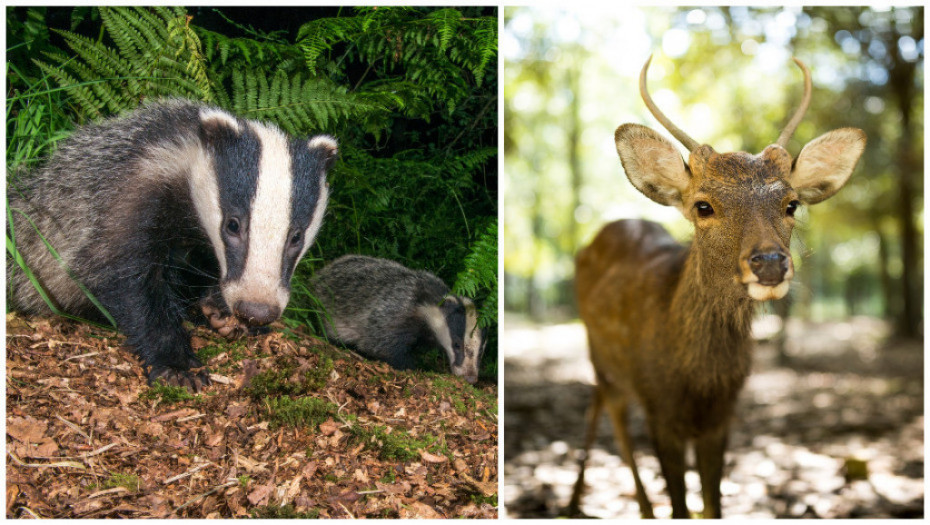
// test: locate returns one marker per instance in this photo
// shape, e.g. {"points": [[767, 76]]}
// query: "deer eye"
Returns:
{"points": [[704, 209], [792, 208]]}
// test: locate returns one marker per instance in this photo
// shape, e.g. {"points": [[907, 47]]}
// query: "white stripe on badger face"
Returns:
{"points": [[268, 225], [316, 222], [437, 323], [205, 193], [473, 342], [204, 187]]}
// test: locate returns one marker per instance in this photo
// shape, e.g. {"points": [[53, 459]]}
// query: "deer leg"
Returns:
{"points": [[619, 408], [709, 451], [671, 452], [594, 414]]}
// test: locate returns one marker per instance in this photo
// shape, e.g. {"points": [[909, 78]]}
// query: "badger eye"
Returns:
{"points": [[232, 226], [704, 209], [792, 208], [296, 238]]}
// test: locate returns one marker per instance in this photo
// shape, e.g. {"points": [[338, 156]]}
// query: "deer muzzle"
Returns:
{"points": [[767, 274]]}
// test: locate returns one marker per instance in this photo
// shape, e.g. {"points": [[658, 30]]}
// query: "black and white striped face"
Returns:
{"points": [[261, 205], [455, 327]]}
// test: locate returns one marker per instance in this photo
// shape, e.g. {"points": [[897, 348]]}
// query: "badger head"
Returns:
{"points": [[260, 198], [454, 324]]}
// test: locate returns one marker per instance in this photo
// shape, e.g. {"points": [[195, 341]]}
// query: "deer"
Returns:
{"points": [[669, 325]]}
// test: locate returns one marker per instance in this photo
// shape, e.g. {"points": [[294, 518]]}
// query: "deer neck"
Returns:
{"points": [[715, 317]]}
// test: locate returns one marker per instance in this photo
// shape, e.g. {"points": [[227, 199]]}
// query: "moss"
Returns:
{"points": [[390, 477], [316, 377], [128, 481], [167, 393], [479, 499], [300, 412], [396, 445], [208, 352], [279, 380]]}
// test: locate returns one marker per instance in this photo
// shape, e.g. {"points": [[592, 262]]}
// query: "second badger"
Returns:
{"points": [[174, 203], [385, 310]]}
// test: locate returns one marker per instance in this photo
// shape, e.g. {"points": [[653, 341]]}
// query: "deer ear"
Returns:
{"points": [[652, 164], [825, 164]]}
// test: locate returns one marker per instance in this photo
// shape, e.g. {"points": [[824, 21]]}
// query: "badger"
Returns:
{"points": [[385, 310], [177, 202]]}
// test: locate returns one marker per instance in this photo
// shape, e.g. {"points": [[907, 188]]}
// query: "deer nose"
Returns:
{"points": [[770, 267], [256, 314]]}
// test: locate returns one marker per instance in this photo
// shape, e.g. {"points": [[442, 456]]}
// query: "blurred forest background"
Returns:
{"points": [[831, 421], [409, 92], [725, 76]]}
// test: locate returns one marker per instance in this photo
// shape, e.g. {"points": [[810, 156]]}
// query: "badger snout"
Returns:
{"points": [[256, 314]]}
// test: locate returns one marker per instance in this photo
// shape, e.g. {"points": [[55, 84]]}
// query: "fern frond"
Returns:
{"points": [[480, 274]]}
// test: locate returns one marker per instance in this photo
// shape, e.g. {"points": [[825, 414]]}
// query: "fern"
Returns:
{"points": [[156, 55], [295, 103], [480, 274]]}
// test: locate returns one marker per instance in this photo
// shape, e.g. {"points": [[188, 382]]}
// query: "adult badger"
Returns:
{"points": [[385, 310], [131, 203]]}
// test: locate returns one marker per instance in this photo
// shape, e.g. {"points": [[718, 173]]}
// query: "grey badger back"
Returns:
{"points": [[384, 309], [124, 200]]}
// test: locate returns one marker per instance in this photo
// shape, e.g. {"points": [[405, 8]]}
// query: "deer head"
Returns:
{"points": [[742, 205]]}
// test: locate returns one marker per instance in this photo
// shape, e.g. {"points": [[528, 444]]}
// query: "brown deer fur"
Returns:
{"points": [[669, 325]]}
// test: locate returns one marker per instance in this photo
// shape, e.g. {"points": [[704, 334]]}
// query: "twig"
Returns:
{"points": [[190, 472], [73, 427], [114, 490], [21, 463], [347, 510], [100, 450], [31, 512], [82, 355]]}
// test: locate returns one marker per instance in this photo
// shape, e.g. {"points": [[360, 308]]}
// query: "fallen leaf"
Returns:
{"points": [[26, 429], [260, 495], [432, 458], [328, 427]]}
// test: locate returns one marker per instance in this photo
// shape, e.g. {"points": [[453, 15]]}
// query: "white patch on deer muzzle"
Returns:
{"points": [[761, 292], [269, 221]]}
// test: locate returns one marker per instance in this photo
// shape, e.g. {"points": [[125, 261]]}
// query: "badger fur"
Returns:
{"points": [[175, 202], [385, 310]]}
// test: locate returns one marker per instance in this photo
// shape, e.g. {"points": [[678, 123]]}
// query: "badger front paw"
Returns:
{"points": [[222, 321], [194, 379]]}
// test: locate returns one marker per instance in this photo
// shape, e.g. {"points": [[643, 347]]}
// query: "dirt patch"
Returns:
{"points": [[837, 432], [290, 427]]}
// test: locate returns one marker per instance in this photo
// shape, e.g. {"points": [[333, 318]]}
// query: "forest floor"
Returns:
{"points": [[838, 432], [290, 427]]}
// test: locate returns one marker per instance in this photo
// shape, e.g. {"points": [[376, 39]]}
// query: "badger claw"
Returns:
{"points": [[194, 379]]}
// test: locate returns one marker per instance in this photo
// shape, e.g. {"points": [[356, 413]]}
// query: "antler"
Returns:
{"points": [[676, 132], [799, 114]]}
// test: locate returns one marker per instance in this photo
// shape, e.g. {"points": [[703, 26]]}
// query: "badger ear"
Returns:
{"points": [[326, 148], [217, 125]]}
